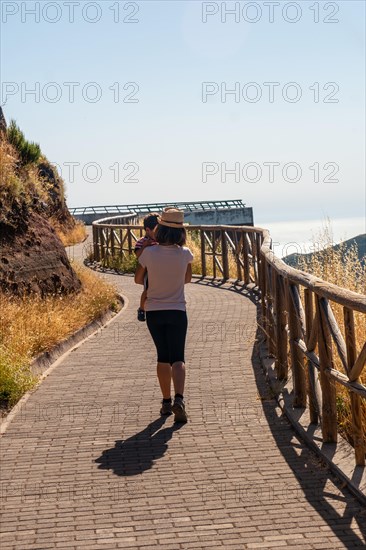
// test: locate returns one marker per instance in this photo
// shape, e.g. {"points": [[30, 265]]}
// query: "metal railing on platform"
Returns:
{"points": [[158, 207]]}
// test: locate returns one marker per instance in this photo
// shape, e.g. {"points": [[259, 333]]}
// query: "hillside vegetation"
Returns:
{"points": [[43, 297], [30, 184], [343, 265], [356, 244]]}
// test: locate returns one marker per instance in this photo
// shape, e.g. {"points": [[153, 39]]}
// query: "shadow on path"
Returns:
{"points": [[314, 477], [314, 481], [139, 452], [230, 286]]}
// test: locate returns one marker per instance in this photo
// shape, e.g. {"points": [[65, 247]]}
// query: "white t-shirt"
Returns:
{"points": [[166, 268]]}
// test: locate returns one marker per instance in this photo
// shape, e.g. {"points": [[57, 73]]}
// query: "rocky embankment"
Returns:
{"points": [[32, 204], [35, 260]]}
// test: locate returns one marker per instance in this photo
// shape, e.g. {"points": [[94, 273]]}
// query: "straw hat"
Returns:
{"points": [[172, 217]]}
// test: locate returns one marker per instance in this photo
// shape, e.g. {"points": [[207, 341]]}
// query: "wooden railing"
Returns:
{"points": [[297, 318]]}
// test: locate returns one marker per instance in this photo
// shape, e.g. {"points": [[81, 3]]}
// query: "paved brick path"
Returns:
{"points": [[89, 463]]}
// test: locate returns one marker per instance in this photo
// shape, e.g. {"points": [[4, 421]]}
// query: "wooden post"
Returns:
{"points": [[252, 243], [262, 285], [214, 252], [274, 320], [329, 409], [358, 367], [263, 294], [297, 358], [120, 253], [254, 257], [358, 436], [129, 240], [102, 240], [203, 254], [270, 328], [280, 329], [225, 257], [112, 241], [313, 383], [246, 259], [237, 255], [107, 237], [258, 257], [96, 243]]}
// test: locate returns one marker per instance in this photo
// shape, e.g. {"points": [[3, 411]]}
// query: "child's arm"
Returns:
{"points": [[139, 251]]}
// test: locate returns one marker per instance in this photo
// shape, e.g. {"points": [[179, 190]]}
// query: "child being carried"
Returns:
{"points": [[150, 223]]}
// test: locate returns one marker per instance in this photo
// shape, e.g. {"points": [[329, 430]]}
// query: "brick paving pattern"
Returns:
{"points": [[88, 463]]}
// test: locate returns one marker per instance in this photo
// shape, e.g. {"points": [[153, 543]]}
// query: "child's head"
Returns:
{"points": [[150, 222]]}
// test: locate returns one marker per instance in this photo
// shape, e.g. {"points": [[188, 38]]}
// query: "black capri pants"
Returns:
{"points": [[168, 329]]}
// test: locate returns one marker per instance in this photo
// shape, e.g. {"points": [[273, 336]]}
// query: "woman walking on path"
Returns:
{"points": [[169, 268]]}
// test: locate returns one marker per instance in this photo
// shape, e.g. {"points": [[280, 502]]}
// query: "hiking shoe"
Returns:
{"points": [[166, 408], [179, 410], [141, 315]]}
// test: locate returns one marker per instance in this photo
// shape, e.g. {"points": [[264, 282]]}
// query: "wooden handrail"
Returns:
{"points": [[311, 332]]}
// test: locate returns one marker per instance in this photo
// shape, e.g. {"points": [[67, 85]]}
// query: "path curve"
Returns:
{"points": [[88, 463]]}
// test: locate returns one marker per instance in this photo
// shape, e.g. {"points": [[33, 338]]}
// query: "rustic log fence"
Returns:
{"points": [[297, 318]]}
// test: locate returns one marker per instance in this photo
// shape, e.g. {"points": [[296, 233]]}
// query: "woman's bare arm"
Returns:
{"points": [[140, 274], [188, 275]]}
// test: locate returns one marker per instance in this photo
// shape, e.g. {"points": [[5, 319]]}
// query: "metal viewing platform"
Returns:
{"points": [[226, 212]]}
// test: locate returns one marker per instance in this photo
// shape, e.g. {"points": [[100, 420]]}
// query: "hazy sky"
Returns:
{"points": [[131, 100]]}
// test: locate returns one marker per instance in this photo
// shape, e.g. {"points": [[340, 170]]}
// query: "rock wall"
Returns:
{"points": [[32, 257], [34, 260]]}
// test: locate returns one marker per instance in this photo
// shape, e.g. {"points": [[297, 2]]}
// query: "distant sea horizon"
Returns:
{"points": [[303, 236]]}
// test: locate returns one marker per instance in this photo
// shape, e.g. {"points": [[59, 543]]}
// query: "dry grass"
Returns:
{"points": [[31, 325], [76, 235], [193, 243], [11, 186], [8, 159], [22, 185], [343, 269], [19, 182], [127, 264]]}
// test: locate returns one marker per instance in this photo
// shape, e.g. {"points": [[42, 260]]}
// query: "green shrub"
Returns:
{"points": [[15, 377], [126, 264], [29, 152]]}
